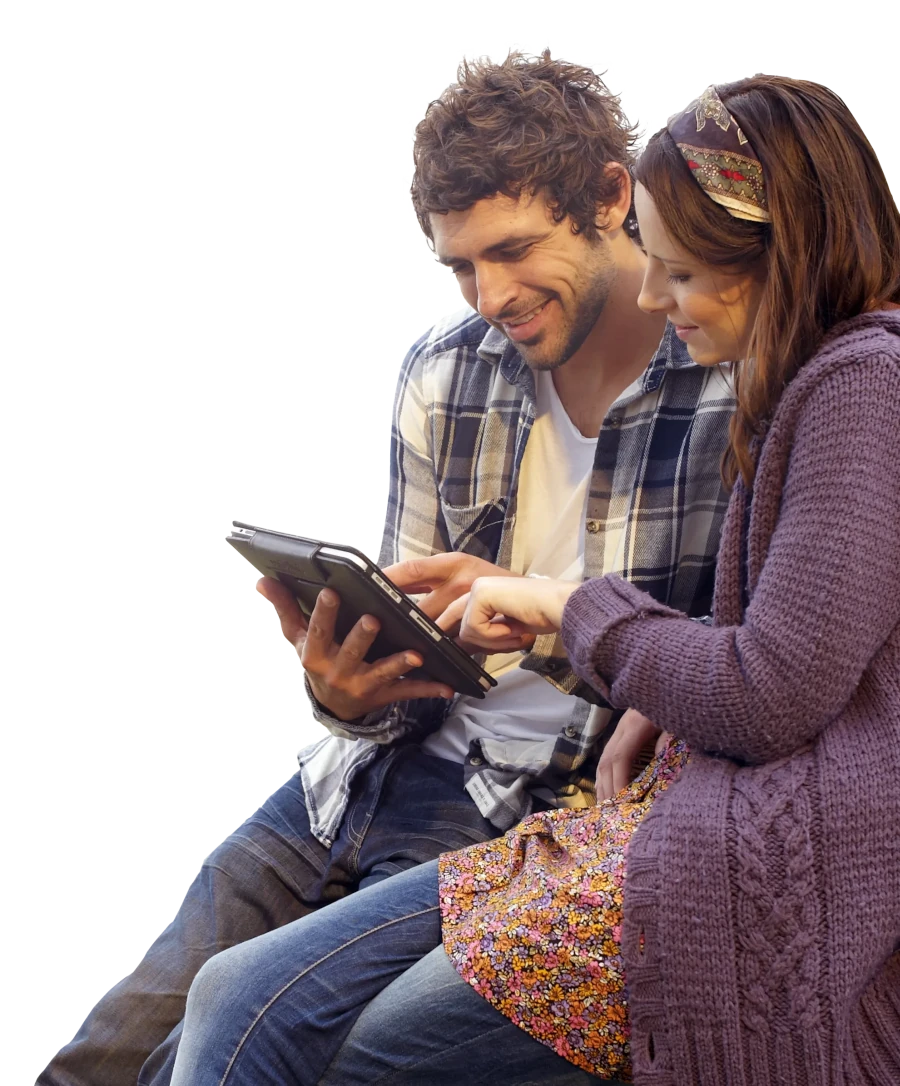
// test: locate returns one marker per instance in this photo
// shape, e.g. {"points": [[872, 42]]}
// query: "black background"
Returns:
{"points": [[212, 715]]}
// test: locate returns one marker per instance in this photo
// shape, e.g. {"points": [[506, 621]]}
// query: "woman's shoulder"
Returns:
{"points": [[854, 373], [876, 333], [858, 351]]}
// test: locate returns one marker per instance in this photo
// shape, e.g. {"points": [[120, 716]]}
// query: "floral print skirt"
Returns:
{"points": [[532, 920]]}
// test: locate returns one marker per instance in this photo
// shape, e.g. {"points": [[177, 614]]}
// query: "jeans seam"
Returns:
{"points": [[302, 973], [358, 840]]}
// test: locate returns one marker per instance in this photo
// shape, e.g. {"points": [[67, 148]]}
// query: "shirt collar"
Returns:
{"points": [[498, 350], [495, 348], [671, 354]]}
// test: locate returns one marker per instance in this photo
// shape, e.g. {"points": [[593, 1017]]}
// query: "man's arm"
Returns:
{"points": [[414, 524], [414, 527]]}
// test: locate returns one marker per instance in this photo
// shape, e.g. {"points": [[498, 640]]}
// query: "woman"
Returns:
{"points": [[761, 926]]}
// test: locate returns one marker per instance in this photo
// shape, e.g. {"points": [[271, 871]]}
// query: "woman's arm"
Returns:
{"points": [[828, 595]]}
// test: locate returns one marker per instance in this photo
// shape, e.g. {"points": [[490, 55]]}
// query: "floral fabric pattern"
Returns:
{"points": [[532, 920]]}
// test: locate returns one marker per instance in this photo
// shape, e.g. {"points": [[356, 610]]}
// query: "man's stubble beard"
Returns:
{"points": [[588, 313]]}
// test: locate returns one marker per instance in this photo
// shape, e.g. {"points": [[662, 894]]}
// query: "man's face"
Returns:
{"points": [[541, 285]]}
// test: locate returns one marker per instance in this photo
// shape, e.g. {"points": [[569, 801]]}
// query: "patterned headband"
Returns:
{"points": [[720, 157]]}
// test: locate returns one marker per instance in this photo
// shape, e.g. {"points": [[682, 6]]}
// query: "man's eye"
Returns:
{"points": [[461, 269], [677, 278], [516, 254]]}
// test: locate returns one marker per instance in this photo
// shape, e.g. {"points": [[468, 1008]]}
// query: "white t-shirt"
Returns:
{"points": [[548, 539]]}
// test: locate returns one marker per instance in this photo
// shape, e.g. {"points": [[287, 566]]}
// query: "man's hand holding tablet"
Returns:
{"points": [[339, 676]]}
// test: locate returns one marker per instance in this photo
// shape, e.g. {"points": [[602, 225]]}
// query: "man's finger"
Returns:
{"points": [[423, 577], [468, 647], [278, 594], [408, 689], [354, 647], [417, 589], [293, 622], [451, 616], [386, 671], [320, 635], [422, 574], [436, 602]]}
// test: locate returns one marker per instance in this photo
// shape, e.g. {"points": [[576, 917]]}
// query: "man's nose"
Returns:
{"points": [[496, 291]]}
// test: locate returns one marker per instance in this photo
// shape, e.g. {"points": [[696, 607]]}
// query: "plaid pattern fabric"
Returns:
{"points": [[463, 412]]}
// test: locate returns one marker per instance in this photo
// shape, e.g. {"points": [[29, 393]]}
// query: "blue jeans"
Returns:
{"points": [[362, 993], [405, 809]]}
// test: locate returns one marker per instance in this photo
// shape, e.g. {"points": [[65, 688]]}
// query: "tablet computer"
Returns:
{"points": [[307, 566]]}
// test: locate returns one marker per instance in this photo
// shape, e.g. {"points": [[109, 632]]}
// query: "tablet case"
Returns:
{"points": [[306, 566]]}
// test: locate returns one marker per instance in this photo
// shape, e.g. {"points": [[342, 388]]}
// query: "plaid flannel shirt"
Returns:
{"points": [[463, 411]]}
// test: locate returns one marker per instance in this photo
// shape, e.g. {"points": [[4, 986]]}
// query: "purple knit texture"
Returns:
{"points": [[762, 898]]}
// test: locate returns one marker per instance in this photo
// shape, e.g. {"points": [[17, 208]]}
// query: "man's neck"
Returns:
{"points": [[616, 352]]}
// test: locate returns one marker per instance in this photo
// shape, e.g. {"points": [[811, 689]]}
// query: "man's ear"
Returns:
{"points": [[611, 216]]}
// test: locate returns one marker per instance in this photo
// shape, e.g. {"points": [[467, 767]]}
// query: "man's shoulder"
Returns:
{"points": [[464, 329]]}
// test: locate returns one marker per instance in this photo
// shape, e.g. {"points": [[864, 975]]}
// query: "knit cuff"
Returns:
{"points": [[591, 617]]}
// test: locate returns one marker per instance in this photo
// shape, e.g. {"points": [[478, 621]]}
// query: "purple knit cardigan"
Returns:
{"points": [[762, 896]]}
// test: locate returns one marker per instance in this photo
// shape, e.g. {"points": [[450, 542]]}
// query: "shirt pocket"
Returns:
{"points": [[476, 529]]}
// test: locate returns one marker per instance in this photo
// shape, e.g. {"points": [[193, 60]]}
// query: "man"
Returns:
{"points": [[555, 430]]}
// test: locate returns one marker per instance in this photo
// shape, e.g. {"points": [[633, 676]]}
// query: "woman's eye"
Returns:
{"points": [[677, 278]]}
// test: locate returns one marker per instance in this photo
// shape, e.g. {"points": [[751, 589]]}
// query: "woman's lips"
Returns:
{"points": [[684, 330]]}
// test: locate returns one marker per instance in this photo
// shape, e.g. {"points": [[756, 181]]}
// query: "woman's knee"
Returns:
{"points": [[220, 983]]}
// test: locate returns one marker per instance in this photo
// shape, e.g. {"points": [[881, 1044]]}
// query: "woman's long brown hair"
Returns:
{"points": [[831, 251]]}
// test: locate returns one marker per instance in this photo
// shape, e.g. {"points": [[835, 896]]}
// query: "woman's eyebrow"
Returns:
{"points": [[685, 261], [670, 260]]}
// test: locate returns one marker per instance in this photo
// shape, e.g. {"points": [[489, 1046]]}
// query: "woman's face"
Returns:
{"points": [[713, 311]]}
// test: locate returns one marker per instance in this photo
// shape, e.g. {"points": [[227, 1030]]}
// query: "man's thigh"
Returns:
{"points": [[277, 1009], [422, 810], [268, 873]]}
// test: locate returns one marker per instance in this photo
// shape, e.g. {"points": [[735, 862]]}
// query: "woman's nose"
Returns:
{"points": [[653, 299]]}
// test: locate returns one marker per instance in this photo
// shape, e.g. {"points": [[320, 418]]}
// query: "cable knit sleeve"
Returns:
{"points": [[826, 599]]}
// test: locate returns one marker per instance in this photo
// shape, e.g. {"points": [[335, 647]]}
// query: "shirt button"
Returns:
{"points": [[570, 730], [593, 526], [613, 422], [475, 760]]}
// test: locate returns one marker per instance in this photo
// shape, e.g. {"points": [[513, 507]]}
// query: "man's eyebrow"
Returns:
{"points": [[511, 241]]}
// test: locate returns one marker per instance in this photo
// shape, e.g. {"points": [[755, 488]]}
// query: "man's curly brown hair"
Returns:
{"points": [[526, 125]]}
